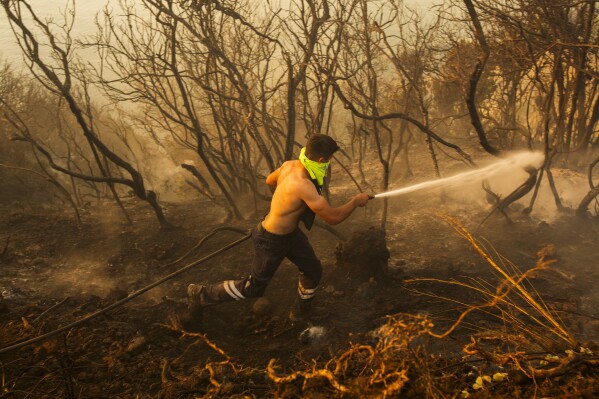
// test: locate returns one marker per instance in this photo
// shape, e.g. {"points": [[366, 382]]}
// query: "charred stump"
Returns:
{"points": [[363, 257]]}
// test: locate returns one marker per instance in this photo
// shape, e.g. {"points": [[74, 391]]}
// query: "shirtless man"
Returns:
{"points": [[296, 187]]}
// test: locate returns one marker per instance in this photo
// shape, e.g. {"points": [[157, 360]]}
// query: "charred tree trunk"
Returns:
{"points": [[586, 201], [474, 79], [582, 209]]}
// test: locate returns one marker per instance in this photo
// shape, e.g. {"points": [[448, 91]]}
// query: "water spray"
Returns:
{"points": [[520, 160]]}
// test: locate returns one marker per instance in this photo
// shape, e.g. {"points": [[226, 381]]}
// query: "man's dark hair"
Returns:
{"points": [[320, 145]]}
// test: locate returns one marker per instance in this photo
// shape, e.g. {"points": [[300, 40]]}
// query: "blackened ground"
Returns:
{"points": [[411, 272], [138, 349]]}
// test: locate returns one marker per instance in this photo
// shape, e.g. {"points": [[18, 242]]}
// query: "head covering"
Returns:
{"points": [[317, 170]]}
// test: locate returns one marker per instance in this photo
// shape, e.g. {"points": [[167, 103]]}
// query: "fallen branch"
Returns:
{"points": [[51, 308], [514, 196]]}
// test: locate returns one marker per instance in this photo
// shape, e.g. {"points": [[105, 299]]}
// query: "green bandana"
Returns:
{"points": [[317, 170]]}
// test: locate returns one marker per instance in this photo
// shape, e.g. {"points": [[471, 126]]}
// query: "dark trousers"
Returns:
{"points": [[269, 251]]}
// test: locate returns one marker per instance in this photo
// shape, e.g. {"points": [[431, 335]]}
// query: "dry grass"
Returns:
{"points": [[513, 300]]}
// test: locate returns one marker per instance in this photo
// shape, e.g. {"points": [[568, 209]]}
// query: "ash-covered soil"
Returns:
{"points": [[389, 295]]}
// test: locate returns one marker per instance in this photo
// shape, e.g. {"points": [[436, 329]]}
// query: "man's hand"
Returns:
{"points": [[361, 199]]}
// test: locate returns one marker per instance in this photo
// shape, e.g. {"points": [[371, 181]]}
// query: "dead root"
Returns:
{"points": [[219, 373], [564, 365], [377, 370], [550, 366], [306, 376]]}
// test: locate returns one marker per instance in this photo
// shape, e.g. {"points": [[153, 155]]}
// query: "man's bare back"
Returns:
{"points": [[287, 205], [293, 192]]}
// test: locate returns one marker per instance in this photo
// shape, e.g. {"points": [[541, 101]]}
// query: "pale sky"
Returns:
{"points": [[84, 24]]}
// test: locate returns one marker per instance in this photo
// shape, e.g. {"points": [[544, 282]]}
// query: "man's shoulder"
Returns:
{"points": [[295, 177], [292, 168], [291, 163]]}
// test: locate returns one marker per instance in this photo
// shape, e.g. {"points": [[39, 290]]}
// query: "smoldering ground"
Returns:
{"points": [[107, 258]]}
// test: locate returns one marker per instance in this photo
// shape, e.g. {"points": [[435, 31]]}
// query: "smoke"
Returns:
{"points": [[81, 275], [93, 267], [571, 187]]}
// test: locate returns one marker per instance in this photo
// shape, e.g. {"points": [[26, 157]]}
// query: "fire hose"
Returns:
{"points": [[126, 299]]}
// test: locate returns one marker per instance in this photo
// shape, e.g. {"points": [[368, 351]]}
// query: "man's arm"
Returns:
{"points": [[324, 210], [272, 179]]}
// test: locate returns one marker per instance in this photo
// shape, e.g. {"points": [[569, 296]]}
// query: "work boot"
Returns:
{"points": [[194, 301], [304, 311]]}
